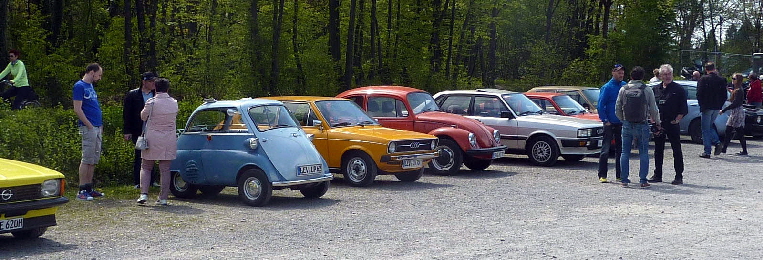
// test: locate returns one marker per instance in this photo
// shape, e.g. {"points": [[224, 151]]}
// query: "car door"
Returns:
{"points": [[487, 109], [224, 134], [285, 143], [390, 112]]}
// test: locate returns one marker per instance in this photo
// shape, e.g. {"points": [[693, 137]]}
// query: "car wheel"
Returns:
{"points": [[315, 191], [31, 233], [477, 164], [695, 131], [573, 157], [543, 151], [180, 188], [254, 188], [450, 159], [359, 170], [410, 176], [211, 190]]}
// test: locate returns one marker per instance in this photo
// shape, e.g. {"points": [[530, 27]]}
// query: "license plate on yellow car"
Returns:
{"points": [[11, 224], [412, 164]]}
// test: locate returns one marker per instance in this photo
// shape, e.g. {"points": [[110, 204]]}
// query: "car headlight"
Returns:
{"points": [[497, 136], [253, 143], [391, 147], [584, 132], [760, 119], [51, 188], [472, 140], [434, 144]]}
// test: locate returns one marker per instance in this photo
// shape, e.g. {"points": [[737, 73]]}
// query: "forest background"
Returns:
{"points": [[228, 49]]}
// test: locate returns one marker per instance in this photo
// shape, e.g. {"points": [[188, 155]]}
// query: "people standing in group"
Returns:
{"points": [[90, 123], [635, 106], [160, 113], [711, 95], [612, 125], [755, 94], [134, 102], [695, 76], [671, 102], [656, 77], [21, 89], [735, 123]]}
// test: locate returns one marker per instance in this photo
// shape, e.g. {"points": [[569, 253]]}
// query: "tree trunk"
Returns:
{"points": [[301, 81], [605, 22], [490, 73], [347, 83], [255, 47], [335, 49], [359, 44], [277, 23], [211, 88], [128, 45], [450, 41], [434, 39], [152, 7], [140, 16], [375, 59], [4, 30]]}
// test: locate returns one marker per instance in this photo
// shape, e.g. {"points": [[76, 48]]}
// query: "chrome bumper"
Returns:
{"points": [[392, 159], [292, 183]]}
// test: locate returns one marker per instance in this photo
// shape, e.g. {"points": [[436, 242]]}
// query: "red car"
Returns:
{"points": [[461, 140], [561, 104]]}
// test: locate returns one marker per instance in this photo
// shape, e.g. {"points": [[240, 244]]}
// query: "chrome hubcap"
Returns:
{"points": [[252, 188], [179, 183], [356, 169], [541, 151], [445, 161]]}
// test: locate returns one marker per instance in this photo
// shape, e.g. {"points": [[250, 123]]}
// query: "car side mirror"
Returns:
{"points": [[587, 106], [404, 113], [507, 114], [318, 123]]}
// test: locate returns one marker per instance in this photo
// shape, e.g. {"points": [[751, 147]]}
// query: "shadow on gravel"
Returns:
{"points": [[392, 185], [11, 247], [177, 209], [292, 200], [740, 158], [282, 203], [684, 189], [488, 174]]}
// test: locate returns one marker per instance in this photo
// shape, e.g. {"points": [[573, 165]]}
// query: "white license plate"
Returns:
{"points": [[309, 169], [11, 224], [412, 164], [498, 154], [601, 142]]}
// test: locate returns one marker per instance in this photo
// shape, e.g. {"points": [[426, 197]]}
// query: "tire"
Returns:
{"points": [[30, 104], [543, 151], [254, 188], [180, 188], [211, 190], [316, 191], [573, 157], [450, 159], [31, 233], [695, 130], [358, 169], [477, 164], [410, 176]]}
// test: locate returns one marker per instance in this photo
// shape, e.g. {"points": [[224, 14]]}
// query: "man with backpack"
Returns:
{"points": [[635, 105]]}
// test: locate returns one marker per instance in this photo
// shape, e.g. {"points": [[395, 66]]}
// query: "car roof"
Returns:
{"points": [[564, 87], [543, 94], [689, 83], [212, 103], [389, 90], [480, 91], [303, 98]]}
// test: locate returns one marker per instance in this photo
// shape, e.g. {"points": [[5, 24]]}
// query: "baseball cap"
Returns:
{"points": [[149, 75], [618, 67]]}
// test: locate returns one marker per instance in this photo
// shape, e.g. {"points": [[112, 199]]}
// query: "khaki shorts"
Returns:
{"points": [[91, 144]]}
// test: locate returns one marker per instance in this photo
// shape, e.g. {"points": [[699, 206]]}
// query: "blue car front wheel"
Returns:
{"points": [[254, 188]]}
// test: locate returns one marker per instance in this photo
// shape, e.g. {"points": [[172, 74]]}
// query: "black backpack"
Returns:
{"points": [[634, 104]]}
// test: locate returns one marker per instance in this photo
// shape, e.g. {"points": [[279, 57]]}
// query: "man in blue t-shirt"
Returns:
{"points": [[91, 128]]}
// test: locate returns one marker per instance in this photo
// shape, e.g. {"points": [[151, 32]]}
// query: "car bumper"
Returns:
{"points": [[21, 208], [486, 153], [394, 163], [581, 145], [753, 129], [35, 214], [300, 182]]}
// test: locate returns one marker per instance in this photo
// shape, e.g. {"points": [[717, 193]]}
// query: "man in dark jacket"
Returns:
{"points": [[133, 125], [711, 95], [671, 101]]}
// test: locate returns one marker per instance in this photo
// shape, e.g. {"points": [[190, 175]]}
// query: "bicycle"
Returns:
{"points": [[32, 101]]}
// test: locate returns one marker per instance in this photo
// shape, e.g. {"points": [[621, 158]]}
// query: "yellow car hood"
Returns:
{"points": [[16, 173], [382, 134]]}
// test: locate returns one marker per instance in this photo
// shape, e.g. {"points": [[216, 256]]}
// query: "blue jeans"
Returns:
{"points": [[640, 132], [709, 135]]}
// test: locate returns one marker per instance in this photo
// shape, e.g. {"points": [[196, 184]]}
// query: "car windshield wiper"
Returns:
{"points": [[572, 112], [342, 124], [367, 122], [524, 113]]}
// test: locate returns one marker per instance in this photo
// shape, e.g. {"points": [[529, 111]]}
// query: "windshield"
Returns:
{"points": [[422, 102], [343, 113], [271, 117], [592, 95], [522, 105], [568, 105]]}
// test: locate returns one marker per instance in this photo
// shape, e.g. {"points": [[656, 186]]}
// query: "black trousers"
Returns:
{"points": [[611, 132], [137, 160], [21, 94], [739, 133], [673, 134]]}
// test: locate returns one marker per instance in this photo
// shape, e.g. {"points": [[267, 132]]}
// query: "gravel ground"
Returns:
{"points": [[511, 211]]}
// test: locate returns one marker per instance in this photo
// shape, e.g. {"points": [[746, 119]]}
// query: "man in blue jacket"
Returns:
{"points": [[612, 126]]}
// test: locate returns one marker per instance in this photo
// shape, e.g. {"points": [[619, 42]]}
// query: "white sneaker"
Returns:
{"points": [[143, 198], [162, 202]]}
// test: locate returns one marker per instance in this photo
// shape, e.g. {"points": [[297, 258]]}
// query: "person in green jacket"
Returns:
{"points": [[21, 90]]}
